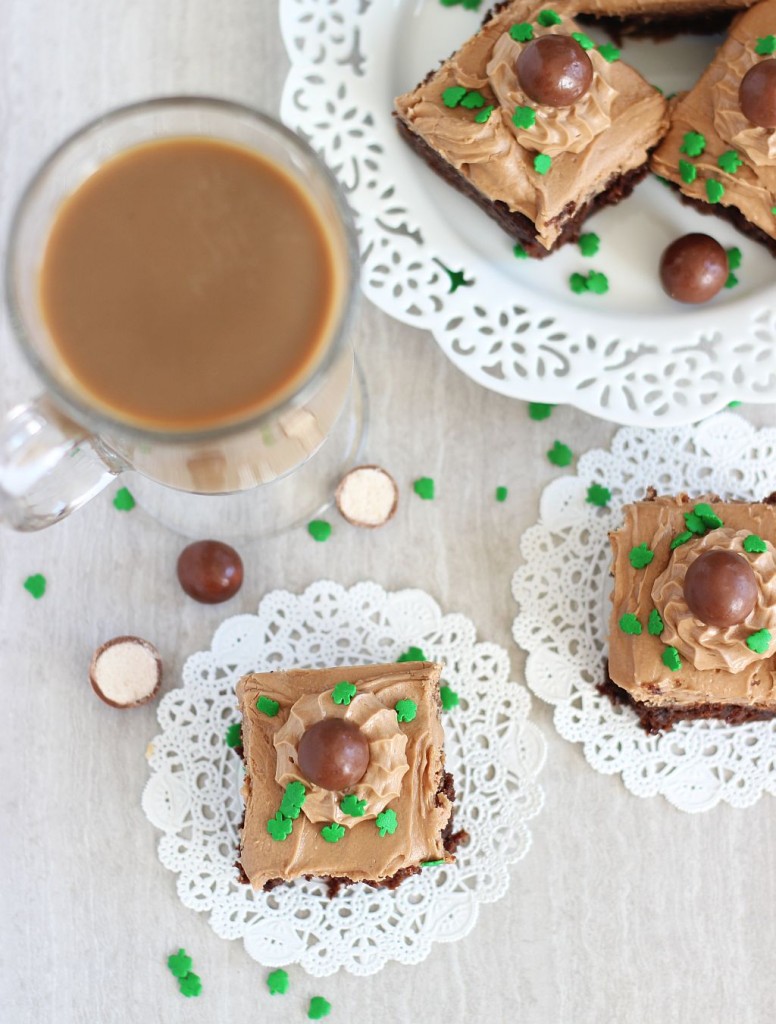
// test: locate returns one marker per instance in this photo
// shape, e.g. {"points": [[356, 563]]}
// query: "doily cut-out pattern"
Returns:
{"points": [[633, 357], [192, 795], [563, 592]]}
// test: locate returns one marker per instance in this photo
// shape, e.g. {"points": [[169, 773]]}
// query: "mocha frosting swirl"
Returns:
{"points": [[759, 144], [711, 647], [387, 755]]}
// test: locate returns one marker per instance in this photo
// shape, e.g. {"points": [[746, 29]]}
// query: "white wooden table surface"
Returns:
{"points": [[624, 910]]}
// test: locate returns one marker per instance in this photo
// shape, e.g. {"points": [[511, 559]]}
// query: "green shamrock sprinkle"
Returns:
{"points": [[765, 45], [294, 796], [191, 985], [734, 257], [519, 252], [319, 530], [687, 171], [343, 693], [333, 833], [548, 17], [754, 545], [319, 1007], [412, 654], [681, 538], [733, 405], [773, 210], [277, 982], [729, 162], [502, 493], [432, 863], [267, 706], [694, 523], [36, 585], [123, 500], [542, 163], [759, 642], [731, 281], [641, 556], [608, 52], [522, 32], [540, 410], [406, 710], [457, 278], [560, 454], [473, 100], [693, 144], [589, 244], [584, 41], [655, 623], [484, 114], [180, 963], [233, 736], [471, 5], [662, 180], [386, 822], [715, 190], [578, 283], [630, 624], [598, 495], [597, 282], [424, 488], [524, 117], [448, 697], [452, 97], [351, 805], [279, 827], [671, 659], [710, 518]]}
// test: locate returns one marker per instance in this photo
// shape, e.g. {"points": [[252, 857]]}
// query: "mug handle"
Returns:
{"points": [[49, 466]]}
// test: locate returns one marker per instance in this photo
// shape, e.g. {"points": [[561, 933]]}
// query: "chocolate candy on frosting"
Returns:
{"points": [[757, 94], [333, 754], [694, 268], [720, 588], [554, 70]]}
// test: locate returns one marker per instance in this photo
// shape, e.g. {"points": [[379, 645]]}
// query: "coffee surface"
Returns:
{"points": [[188, 283]]}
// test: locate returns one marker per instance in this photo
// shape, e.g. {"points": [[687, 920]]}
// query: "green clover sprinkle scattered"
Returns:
{"points": [[549, 17], [655, 623], [729, 162], [351, 805], [180, 963], [448, 697], [715, 190], [519, 252], [773, 210], [734, 257], [754, 545], [123, 500], [584, 41], [560, 454], [343, 693], [598, 495], [542, 163], [731, 281], [687, 171], [765, 46], [191, 985], [630, 624], [597, 282], [608, 52], [710, 518], [522, 32], [279, 827], [319, 530], [319, 1007], [502, 493], [386, 822], [661, 179], [452, 97], [424, 488], [233, 736], [733, 405], [589, 244], [524, 117], [759, 642], [277, 982], [641, 555], [333, 833], [694, 523], [540, 410], [406, 710], [671, 659], [412, 654], [267, 706], [294, 796], [578, 283], [484, 114], [36, 585], [432, 863], [693, 144], [473, 100], [681, 538]]}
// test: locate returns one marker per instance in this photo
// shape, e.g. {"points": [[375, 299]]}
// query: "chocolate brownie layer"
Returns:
{"points": [[733, 216], [659, 27]]}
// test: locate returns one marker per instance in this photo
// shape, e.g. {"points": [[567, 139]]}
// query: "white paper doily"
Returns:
{"points": [[563, 592], [492, 749], [632, 356]]}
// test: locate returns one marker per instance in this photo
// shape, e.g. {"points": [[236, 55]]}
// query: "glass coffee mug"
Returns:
{"points": [[254, 477]]}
